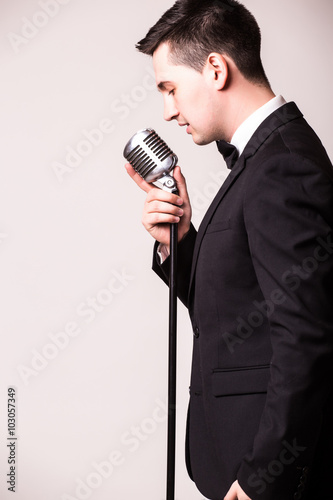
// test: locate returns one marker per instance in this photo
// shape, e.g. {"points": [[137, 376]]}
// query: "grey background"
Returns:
{"points": [[64, 237]]}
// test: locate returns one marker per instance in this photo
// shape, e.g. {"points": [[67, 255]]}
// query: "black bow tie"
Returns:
{"points": [[229, 153]]}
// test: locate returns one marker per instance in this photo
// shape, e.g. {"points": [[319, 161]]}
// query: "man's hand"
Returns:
{"points": [[162, 208], [236, 493]]}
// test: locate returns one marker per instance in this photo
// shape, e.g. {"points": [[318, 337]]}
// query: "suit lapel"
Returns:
{"points": [[237, 169], [283, 115]]}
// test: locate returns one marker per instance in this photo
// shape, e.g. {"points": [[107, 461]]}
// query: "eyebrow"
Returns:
{"points": [[162, 85]]}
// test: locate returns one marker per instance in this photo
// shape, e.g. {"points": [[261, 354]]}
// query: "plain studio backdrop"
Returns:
{"points": [[83, 319]]}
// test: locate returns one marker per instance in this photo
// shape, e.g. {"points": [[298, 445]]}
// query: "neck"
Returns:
{"points": [[241, 102]]}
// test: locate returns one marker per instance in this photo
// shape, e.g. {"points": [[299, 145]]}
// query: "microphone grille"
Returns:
{"points": [[158, 146], [149, 155], [141, 162]]}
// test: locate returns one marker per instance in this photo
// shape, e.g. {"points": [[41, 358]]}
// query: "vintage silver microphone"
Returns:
{"points": [[153, 160]]}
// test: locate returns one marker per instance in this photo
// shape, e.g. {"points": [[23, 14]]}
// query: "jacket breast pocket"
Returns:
{"points": [[220, 226], [237, 381]]}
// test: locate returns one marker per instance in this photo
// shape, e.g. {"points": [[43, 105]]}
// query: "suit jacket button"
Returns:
{"points": [[196, 332]]}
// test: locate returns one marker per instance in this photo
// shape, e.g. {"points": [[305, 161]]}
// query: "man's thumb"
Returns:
{"points": [[180, 179]]}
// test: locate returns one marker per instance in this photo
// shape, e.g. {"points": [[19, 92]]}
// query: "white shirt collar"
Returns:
{"points": [[245, 131]]}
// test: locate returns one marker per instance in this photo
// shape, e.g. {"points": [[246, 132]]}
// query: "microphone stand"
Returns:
{"points": [[151, 158], [171, 449], [168, 183]]}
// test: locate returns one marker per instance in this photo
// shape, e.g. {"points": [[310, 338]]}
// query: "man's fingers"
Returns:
{"points": [[156, 206], [181, 182], [145, 186], [157, 194], [163, 195], [236, 493], [232, 493], [151, 220], [163, 208]]}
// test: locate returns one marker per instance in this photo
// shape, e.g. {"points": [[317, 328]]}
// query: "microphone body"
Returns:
{"points": [[152, 159]]}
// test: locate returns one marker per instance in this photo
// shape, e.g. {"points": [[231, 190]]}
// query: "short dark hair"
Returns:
{"points": [[195, 28]]}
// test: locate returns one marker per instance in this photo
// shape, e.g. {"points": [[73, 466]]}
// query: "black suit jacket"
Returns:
{"points": [[257, 279]]}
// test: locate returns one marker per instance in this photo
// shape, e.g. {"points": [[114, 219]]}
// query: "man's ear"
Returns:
{"points": [[217, 70]]}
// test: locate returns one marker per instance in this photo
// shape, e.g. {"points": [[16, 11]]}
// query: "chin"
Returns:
{"points": [[201, 141]]}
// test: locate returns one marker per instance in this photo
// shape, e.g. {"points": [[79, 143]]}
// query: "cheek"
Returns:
{"points": [[203, 103], [195, 106], [210, 114], [190, 98]]}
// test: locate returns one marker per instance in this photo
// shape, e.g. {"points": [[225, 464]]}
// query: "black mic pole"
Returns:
{"points": [[153, 160], [171, 450]]}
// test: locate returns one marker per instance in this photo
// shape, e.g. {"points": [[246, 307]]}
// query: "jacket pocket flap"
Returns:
{"points": [[250, 380], [220, 226]]}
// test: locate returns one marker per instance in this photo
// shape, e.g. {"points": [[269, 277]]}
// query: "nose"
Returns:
{"points": [[170, 110]]}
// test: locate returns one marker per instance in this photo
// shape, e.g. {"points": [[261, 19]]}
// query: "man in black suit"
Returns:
{"points": [[257, 277]]}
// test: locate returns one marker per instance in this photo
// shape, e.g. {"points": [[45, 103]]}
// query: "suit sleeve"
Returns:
{"points": [[288, 209], [184, 257]]}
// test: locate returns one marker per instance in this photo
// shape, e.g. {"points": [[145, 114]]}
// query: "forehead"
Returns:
{"points": [[165, 71], [162, 66]]}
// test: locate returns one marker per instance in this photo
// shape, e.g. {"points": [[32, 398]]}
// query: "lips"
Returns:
{"points": [[187, 125]]}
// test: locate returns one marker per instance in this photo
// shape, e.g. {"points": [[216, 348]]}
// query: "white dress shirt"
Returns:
{"points": [[246, 130]]}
